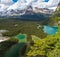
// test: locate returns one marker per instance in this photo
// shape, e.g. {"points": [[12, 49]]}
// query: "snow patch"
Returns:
{"points": [[24, 4]]}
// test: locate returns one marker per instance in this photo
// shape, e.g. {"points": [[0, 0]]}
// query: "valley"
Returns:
{"points": [[31, 34]]}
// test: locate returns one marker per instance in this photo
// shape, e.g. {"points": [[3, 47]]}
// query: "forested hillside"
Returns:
{"points": [[48, 46]]}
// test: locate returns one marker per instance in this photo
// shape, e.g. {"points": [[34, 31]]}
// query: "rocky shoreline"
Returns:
{"points": [[2, 38]]}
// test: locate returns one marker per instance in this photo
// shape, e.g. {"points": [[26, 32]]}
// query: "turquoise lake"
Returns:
{"points": [[20, 36], [50, 29]]}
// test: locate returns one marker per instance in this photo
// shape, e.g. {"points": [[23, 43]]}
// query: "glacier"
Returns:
{"points": [[9, 7]]}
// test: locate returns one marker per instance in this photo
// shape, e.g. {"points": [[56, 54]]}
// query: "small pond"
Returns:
{"points": [[21, 37]]}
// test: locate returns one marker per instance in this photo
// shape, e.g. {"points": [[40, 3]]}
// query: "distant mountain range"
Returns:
{"points": [[27, 8]]}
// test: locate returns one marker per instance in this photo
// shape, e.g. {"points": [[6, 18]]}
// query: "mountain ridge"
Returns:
{"points": [[21, 6]]}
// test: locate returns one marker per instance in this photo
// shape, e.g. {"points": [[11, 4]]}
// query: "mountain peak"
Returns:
{"points": [[37, 6]]}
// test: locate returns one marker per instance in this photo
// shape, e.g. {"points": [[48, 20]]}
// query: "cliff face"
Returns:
{"points": [[58, 8], [56, 16]]}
